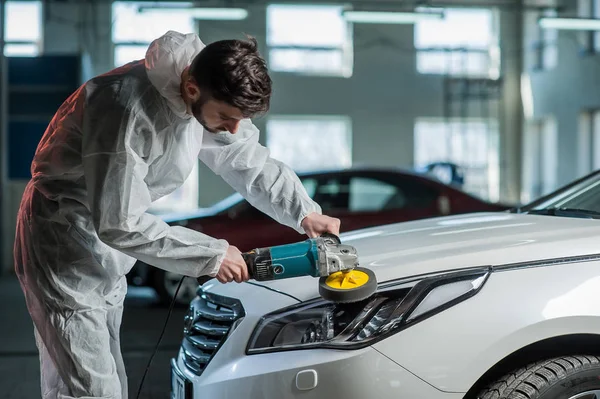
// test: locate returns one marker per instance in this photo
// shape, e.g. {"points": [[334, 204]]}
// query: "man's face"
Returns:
{"points": [[216, 116]]}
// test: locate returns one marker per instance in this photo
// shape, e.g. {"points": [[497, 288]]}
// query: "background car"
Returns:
{"points": [[359, 197], [478, 306]]}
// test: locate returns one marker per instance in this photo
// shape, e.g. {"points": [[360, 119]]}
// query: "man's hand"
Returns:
{"points": [[233, 267], [315, 224]]}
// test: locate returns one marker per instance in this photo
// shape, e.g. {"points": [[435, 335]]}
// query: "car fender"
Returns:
{"points": [[516, 307]]}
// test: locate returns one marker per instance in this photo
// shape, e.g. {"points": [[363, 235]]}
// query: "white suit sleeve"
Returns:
{"points": [[114, 145], [268, 184]]}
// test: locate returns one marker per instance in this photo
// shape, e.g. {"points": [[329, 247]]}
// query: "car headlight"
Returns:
{"points": [[396, 306]]}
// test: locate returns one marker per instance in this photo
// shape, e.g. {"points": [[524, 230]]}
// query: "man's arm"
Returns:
{"points": [[113, 152], [268, 184]]}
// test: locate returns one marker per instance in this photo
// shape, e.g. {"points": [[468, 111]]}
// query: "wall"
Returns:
{"points": [[561, 93], [82, 28], [384, 96]]}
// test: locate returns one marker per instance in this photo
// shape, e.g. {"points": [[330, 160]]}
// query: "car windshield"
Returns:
{"points": [[579, 199]]}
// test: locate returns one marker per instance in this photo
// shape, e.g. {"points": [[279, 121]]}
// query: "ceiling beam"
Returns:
{"points": [[374, 4]]}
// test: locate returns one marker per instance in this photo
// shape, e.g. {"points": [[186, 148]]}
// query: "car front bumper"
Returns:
{"points": [[308, 374]]}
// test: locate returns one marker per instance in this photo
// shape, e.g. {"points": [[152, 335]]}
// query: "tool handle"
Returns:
{"points": [[249, 258], [203, 279]]}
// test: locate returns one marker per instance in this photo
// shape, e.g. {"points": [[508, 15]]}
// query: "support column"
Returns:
{"points": [[5, 247], [511, 122]]}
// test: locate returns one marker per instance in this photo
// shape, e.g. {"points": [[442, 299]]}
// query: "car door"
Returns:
{"points": [[378, 199]]}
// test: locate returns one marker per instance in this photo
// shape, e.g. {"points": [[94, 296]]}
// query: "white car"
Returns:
{"points": [[486, 305]]}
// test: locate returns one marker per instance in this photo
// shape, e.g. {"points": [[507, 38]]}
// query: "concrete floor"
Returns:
{"points": [[142, 323]]}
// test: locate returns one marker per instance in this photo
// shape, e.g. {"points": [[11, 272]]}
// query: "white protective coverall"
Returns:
{"points": [[117, 144]]}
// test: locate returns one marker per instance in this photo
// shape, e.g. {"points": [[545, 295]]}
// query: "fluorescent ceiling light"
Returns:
{"points": [[215, 14], [389, 17], [569, 23]]}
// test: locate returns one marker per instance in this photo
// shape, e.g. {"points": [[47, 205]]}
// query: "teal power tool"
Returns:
{"points": [[336, 265]]}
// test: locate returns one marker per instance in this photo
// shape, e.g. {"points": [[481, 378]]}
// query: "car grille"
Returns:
{"points": [[210, 319]]}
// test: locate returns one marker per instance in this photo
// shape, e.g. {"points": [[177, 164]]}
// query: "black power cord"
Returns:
{"points": [[160, 337]]}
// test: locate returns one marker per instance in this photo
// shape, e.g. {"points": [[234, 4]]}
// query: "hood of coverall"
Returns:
{"points": [[165, 61]]}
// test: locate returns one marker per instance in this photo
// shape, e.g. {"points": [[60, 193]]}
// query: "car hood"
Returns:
{"points": [[457, 242]]}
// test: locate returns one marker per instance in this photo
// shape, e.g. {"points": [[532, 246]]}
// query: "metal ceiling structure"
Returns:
{"points": [[391, 5]]}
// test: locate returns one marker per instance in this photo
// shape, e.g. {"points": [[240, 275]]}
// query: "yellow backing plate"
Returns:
{"points": [[347, 280]]}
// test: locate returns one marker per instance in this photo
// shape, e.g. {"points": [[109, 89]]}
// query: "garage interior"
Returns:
{"points": [[500, 88]]}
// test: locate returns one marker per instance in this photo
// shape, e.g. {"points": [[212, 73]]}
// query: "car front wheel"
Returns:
{"points": [[568, 377]]}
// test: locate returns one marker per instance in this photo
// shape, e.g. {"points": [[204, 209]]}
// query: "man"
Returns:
{"points": [[123, 140]]}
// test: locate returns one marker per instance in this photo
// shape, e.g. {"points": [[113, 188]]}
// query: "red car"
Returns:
{"points": [[358, 197]]}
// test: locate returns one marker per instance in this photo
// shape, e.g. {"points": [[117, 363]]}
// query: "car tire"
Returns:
{"points": [[568, 377], [165, 283]]}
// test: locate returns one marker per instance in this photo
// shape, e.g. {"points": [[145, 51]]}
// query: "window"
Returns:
{"points": [[370, 195], [308, 143], [464, 43], [470, 143], [133, 30], [23, 28], [309, 39]]}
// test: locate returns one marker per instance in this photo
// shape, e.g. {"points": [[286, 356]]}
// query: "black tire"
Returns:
{"points": [[165, 285], [558, 378]]}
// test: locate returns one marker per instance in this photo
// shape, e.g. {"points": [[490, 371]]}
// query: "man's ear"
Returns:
{"points": [[192, 90]]}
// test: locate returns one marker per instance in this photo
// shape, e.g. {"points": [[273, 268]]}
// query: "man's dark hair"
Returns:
{"points": [[233, 71]]}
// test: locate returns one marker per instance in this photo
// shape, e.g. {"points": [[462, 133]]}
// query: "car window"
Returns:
{"points": [[370, 195], [583, 195], [332, 194], [419, 194]]}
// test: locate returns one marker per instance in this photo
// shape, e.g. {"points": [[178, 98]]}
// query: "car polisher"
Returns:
{"points": [[336, 265]]}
